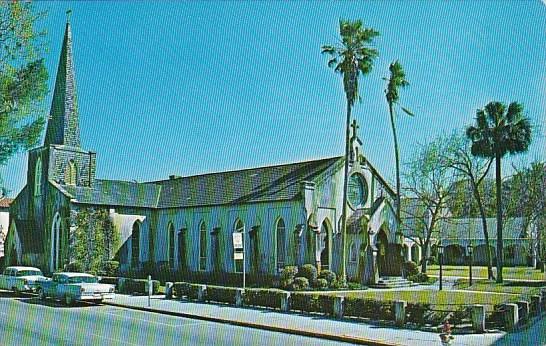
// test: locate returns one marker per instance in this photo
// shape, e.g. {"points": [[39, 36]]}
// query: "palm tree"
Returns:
{"points": [[352, 57], [499, 131], [396, 80]]}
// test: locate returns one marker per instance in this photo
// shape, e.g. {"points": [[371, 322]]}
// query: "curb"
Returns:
{"points": [[327, 336]]}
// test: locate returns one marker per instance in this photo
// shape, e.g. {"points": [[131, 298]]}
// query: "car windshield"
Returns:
{"points": [[28, 272], [82, 279]]}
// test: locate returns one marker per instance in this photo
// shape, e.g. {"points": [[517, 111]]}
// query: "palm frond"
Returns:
{"points": [[407, 111]]}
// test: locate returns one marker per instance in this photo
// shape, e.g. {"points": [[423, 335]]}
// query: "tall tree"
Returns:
{"points": [[499, 131], [396, 81], [23, 78], [352, 57], [472, 169], [528, 200], [427, 185]]}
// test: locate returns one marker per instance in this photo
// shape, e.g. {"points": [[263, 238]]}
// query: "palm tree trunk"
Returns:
{"points": [[477, 196], [498, 183], [344, 207], [397, 163]]}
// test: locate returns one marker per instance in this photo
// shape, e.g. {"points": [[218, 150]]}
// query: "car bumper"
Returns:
{"points": [[97, 296]]}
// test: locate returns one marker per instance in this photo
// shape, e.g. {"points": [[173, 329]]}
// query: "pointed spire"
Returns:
{"points": [[63, 125]]}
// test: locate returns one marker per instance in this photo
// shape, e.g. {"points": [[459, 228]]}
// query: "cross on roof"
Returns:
{"points": [[355, 127]]}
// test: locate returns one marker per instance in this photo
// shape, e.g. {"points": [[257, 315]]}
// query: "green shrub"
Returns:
{"points": [[139, 286], [110, 268], [329, 276], [288, 272], [416, 312], [420, 278], [76, 267], [287, 277], [309, 272], [322, 284], [220, 294], [300, 284], [411, 268], [109, 280], [263, 297]]}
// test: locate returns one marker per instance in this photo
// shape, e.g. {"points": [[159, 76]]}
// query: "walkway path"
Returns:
{"points": [[316, 325]]}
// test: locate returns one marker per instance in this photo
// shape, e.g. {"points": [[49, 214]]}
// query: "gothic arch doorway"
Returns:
{"points": [[55, 243], [382, 244], [323, 243]]}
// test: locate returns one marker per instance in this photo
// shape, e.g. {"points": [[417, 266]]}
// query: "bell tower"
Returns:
{"points": [[61, 159]]}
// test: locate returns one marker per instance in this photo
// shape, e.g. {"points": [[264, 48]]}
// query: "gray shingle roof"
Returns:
{"points": [[116, 193], [463, 228], [263, 184], [253, 185]]}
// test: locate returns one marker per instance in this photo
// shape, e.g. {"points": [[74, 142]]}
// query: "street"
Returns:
{"points": [[29, 321]]}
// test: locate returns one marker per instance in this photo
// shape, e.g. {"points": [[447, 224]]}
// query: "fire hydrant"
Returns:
{"points": [[445, 337]]}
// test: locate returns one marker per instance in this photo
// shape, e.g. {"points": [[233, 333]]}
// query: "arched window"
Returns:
{"points": [[171, 245], [352, 252], [135, 245], [281, 244], [239, 228], [38, 178], [182, 247], [202, 246], [55, 242], [70, 173]]}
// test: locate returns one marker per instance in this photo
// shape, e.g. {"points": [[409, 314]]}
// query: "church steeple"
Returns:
{"points": [[63, 126]]}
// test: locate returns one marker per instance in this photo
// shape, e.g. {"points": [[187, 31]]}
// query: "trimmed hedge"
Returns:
{"points": [[185, 289], [369, 308], [312, 303], [263, 297], [220, 294], [139, 286]]}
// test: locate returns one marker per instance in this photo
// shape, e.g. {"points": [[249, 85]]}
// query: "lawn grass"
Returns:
{"points": [[438, 299], [521, 289], [519, 273]]}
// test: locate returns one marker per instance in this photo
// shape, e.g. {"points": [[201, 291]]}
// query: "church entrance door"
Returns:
{"points": [[382, 255], [323, 243]]}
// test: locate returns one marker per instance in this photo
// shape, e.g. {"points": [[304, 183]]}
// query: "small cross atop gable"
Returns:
{"points": [[356, 143]]}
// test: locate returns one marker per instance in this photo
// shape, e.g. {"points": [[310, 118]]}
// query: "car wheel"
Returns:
{"points": [[68, 301], [41, 294]]}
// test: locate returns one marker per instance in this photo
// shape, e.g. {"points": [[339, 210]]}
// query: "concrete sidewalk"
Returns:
{"points": [[351, 331]]}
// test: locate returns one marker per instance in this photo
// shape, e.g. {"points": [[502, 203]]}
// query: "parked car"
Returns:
{"points": [[20, 279], [72, 287]]}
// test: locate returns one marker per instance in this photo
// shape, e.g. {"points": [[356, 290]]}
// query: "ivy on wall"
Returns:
{"points": [[95, 241]]}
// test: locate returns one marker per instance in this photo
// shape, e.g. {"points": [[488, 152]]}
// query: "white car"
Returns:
{"points": [[72, 287], [20, 279]]}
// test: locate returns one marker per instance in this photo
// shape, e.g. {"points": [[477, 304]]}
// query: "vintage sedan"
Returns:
{"points": [[72, 287], [20, 279]]}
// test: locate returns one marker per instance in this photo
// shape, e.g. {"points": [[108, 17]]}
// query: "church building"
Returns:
{"points": [[288, 214]]}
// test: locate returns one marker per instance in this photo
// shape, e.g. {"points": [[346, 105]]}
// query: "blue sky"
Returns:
{"points": [[186, 88]]}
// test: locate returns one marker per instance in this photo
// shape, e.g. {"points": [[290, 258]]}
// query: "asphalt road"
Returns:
{"points": [[29, 321]]}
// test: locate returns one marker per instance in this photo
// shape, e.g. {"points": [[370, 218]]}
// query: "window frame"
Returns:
{"points": [[203, 253]]}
